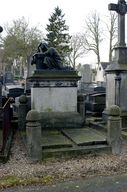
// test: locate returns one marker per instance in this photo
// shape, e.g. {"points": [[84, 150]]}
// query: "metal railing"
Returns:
{"points": [[5, 123]]}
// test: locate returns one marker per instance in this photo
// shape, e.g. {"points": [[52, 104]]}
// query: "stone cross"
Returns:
{"points": [[121, 9]]}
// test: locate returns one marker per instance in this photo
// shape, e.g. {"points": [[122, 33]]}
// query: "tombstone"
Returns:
{"points": [[8, 78], [54, 94], [86, 76], [116, 72], [95, 103]]}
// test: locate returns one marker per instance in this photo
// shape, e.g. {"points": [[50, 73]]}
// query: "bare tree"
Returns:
{"points": [[20, 41], [111, 25], [77, 49], [93, 34]]}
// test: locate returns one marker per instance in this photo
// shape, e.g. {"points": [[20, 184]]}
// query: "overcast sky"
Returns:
{"points": [[37, 12]]}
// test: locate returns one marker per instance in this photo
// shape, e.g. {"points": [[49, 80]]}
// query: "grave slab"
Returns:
{"points": [[54, 139], [85, 136]]}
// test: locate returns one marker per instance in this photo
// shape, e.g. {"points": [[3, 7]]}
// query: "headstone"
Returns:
{"points": [[86, 76], [8, 77], [86, 73]]}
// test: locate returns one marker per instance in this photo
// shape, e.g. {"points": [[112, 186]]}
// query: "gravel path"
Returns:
{"points": [[83, 166]]}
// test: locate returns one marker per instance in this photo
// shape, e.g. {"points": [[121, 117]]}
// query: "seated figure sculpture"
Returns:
{"points": [[46, 58]]}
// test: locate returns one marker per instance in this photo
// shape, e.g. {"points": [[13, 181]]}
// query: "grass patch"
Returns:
{"points": [[12, 181]]}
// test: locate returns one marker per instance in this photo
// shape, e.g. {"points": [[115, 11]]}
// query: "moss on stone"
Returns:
{"points": [[23, 99], [33, 115], [115, 110]]}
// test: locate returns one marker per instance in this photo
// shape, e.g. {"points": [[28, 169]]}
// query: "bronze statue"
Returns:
{"points": [[46, 58], [1, 29]]}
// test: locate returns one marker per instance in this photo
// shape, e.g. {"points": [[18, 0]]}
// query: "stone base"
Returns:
{"points": [[120, 55], [54, 91], [54, 96], [54, 99], [123, 116], [116, 90], [61, 120]]}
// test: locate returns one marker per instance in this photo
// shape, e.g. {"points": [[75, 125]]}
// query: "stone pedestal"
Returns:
{"points": [[54, 99], [114, 137], [116, 84], [117, 71], [55, 92], [33, 135]]}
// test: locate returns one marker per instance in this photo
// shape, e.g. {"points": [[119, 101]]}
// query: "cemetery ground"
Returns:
{"points": [[20, 171]]}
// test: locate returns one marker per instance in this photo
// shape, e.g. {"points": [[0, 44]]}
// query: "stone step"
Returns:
{"points": [[98, 124], [74, 151], [67, 141]]}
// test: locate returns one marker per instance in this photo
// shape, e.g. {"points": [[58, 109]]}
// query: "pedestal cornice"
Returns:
{"points": [[54, 78]]}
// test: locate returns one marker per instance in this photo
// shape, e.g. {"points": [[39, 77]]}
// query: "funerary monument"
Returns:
{"points": [[54, 89], [116, 73]]}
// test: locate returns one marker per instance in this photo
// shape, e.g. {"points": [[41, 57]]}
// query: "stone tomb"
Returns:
{"points": [[54, 95]]}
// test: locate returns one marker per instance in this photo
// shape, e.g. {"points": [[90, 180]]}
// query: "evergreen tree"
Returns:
{"points": [[58, 36]]}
